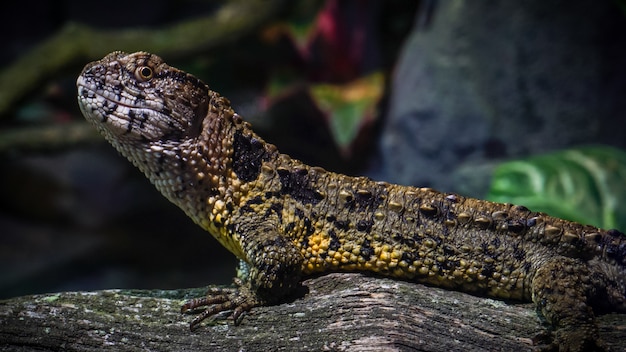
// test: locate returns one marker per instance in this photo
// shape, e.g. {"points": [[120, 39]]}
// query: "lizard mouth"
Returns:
{"points": [[111, 115], [91, 96]]}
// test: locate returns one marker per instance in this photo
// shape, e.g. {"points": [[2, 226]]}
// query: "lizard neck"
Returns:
{"points": [[209, 174], [200, 173]]}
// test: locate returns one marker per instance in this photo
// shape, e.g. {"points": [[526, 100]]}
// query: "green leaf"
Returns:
{"points": [[586, 185], [349, 106]]}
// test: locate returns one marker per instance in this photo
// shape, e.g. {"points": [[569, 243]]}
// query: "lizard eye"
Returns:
{"points": [[144, 73]]}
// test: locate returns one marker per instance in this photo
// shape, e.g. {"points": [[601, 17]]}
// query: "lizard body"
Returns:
{"points": [[287, 220]]}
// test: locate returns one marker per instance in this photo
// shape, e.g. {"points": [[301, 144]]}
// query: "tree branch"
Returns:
{"points": [[340, 312], [76, 42]]}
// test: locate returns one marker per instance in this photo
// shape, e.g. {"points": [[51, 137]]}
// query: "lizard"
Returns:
{"points": [[286, 220]]}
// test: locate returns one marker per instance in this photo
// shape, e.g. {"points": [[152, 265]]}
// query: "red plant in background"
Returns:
{"points": [[339, 40], [338, 58]]}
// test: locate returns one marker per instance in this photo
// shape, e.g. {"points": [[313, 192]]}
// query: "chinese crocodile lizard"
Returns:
{"points": [[287, 220]]}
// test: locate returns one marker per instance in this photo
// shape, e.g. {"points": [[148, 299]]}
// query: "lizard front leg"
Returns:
{"points": [[562, 289], [275, 269]]}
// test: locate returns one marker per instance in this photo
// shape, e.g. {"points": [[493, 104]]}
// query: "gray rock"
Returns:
{"points": [[484, 81]]}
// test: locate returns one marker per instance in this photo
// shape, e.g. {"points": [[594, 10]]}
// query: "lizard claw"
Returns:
{"points": [[239, 300]]}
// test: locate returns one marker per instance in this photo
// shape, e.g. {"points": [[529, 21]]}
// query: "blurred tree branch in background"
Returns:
{"points": [[76, 42]]}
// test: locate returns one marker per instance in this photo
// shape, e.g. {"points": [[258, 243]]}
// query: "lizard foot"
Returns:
{"points": [[240, 300]]}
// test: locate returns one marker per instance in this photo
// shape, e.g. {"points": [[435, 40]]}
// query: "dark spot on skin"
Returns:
{"points": [[248, 156], [616, 252], [271, 194], [297, 184], [229, 205], [496, 242], [448, 250], [364, 199], [308, 228], [515, 226], [334, 240], [274, 242], [109, 107], [518, 253], [105, 117], [485, 248], [308, 231], [404, 240], [275, 208], [430, 210], [173, 134], [129, 125], [298, 213], [488, 269], [289, 227], [255, 200], [417, 238], [142, 122], [364, 225], [331, 218], [132, 115], [366, 250], [450, 264], [596, 239], [407, 257], [179, 158], [342, 224], [369, 200], [245, 209]]}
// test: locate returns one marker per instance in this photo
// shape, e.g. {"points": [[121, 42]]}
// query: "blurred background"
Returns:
{"points": [[520, 102]]}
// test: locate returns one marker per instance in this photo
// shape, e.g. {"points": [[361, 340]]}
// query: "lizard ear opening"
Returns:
{"points": [[195, 129]]}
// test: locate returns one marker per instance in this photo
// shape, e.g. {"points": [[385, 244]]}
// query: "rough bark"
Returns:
{"points": [[338, 312]]}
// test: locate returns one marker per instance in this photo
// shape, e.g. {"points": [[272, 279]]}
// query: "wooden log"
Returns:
{"points": [[334, 312]]}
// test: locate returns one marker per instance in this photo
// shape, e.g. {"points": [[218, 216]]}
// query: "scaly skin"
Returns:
{"points": [[287, 220]]}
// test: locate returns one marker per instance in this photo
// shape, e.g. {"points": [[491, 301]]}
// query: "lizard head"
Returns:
{"points": [[169, 125], [137, 98]]}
